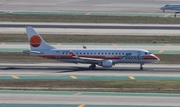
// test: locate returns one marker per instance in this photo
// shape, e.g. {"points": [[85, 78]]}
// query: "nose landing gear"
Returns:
{"points": [[141, 66]]}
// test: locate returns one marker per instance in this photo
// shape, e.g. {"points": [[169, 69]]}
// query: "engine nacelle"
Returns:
{"points": [[106, 63]]}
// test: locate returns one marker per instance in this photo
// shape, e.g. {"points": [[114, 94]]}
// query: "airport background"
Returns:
{"points": [[31, 81]]}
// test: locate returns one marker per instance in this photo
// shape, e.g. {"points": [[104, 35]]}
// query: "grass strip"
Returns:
{"points": [[21, 57], [60, 38], [102, 86], [87, 19]]}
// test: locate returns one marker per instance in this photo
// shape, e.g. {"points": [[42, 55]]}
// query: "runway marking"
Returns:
{"points": [[7, 2], [167, 15], [114, 44], [132, 77], [77, 93], [3, 43], [161, 51], [58, 44], [81, 105], [16, 77], [88, 13], [10, 11], [168, 44], [74, 77]]}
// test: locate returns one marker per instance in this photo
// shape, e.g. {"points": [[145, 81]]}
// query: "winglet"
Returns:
{"points": [[73, 54]]}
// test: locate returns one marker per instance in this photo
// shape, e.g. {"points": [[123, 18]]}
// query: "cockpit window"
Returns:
{"points": [[148, 53], [166, 5]]}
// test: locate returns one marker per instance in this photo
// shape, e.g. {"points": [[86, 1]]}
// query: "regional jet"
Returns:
{"points": [[96, 56], [171, 7]]}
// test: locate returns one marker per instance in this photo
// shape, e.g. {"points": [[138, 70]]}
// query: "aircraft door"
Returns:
{"points": [[57, 54]]}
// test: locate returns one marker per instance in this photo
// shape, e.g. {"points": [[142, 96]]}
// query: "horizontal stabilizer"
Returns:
{"points": [[30, 51]]}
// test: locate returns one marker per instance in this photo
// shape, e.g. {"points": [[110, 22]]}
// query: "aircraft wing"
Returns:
{"points": [[85, 59]]}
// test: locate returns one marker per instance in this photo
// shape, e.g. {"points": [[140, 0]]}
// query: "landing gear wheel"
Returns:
{"points": [[141, 66], [92, 66]]}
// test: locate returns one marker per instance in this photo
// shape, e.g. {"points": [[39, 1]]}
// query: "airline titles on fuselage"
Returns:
{"points": [[127, 56]]}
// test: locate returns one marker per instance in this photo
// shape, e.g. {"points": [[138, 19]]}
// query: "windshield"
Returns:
{"points": [[147, 53]]}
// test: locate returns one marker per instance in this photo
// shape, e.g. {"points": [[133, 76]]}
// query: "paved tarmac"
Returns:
{"points": [[151, 71], [92, 29], [154, 48], [87, 6], [98, 78], [90, 26], [88, 98]]}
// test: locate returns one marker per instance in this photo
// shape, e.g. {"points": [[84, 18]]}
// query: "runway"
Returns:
{"points": [[88, 6], [90, 26], [50, 70], [67, 69], [89, 99], [92, 29], [154, 48], [61, 71]]}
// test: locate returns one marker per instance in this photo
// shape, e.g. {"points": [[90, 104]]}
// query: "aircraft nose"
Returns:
{"points": [[161, 8], [155, 57]]}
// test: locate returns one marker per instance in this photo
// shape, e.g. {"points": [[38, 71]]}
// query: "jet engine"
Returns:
{"points": [[106, 63]]}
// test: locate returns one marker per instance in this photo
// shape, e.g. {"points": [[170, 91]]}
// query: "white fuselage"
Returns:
{"points": [[171, 7], [115, 55], [102, 57]]}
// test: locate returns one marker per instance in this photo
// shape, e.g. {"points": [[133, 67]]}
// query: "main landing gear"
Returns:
{"points": [[176, 13], [141, 66], [92, 66]]}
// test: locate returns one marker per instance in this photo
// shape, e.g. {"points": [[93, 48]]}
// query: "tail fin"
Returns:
{"points": [[35, 40]]}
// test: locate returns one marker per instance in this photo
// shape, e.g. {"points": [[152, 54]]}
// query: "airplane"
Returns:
{"points": [[97, 56], [171, 7]]}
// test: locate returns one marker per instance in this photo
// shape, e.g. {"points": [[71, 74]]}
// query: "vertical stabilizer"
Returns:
{"points": [[35, 40]]}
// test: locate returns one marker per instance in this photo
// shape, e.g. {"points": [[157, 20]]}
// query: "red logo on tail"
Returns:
{"points": [[35, 41]]}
